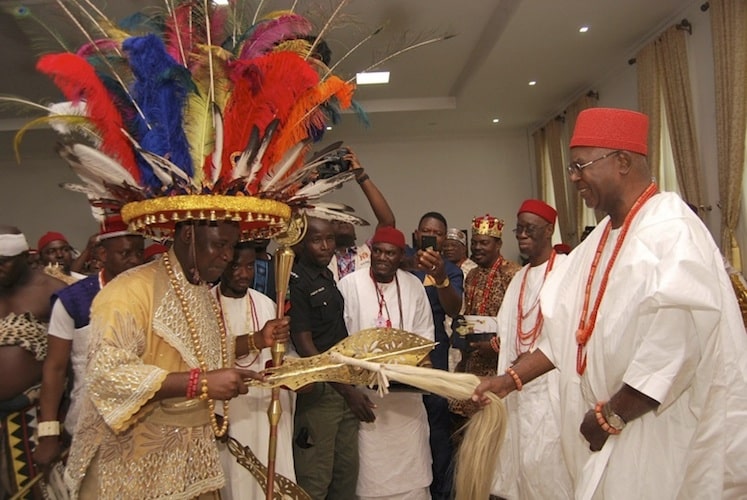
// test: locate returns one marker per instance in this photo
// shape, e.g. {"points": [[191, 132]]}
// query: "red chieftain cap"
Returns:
{"points": [[48, 238], [391, 235], [539, 207], [113, 226], [611, 128]]}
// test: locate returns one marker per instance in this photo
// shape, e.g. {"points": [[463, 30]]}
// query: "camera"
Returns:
{"points": [[335, 164]]}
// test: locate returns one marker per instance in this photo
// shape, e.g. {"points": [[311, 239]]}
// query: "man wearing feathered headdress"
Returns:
{"points": [[204, 147]]}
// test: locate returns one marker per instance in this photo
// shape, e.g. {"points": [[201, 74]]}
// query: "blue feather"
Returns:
{"points": [[160, 91]]}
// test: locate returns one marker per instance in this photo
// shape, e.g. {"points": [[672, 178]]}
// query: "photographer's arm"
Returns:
{"points": [[379, 205]]}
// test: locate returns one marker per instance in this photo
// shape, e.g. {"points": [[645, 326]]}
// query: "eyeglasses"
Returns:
{"points": [[529, 229], [576, 167]]}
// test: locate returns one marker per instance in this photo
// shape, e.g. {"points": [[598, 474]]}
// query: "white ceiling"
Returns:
{"points": [[456, 86]]}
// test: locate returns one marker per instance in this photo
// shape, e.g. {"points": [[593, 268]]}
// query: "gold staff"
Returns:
{"points": [[283, 264]]}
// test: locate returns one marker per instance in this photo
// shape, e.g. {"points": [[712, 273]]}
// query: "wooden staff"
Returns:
{"points": [[283, 264]]}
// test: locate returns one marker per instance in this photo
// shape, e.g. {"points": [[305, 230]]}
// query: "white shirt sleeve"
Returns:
{"points": [[61, 324]]}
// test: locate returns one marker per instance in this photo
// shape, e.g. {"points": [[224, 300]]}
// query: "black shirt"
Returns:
{"points": [[316, 305]]}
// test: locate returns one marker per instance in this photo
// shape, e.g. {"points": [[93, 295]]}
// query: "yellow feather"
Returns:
{"points": [[198, 115], [76, 120], [298, 46]]}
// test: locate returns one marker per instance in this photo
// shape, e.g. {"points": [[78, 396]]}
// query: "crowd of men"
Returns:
{"points": [[648, 399]]}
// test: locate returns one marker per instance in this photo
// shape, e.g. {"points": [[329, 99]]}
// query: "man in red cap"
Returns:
{"points": [[531, 464], [56, 252], [119, 250], [643, 325], [384, 296]]}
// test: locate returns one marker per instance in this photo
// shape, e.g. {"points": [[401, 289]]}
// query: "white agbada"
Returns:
{"points": [[531, 463], [395, 455], [669, 326], [248, 412]]}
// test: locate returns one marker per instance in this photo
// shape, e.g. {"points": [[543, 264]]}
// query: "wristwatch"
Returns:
{"points": [[613, 419]]}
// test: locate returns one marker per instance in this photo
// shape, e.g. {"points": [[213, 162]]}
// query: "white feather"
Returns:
{"points": [[282, 167], [241, 169], [257, 162], [316, 190], [325, 213], [64, 127]]}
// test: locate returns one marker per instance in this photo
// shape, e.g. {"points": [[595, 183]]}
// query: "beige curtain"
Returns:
{"points": [[539, 161], [555, 149], [729, 32], [674, 75], [649, 101], [576, 205]]}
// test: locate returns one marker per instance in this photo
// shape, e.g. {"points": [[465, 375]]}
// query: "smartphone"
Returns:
{"points": [[428, 241]]}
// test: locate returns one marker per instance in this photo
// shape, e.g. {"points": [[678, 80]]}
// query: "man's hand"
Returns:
{"points": [[593, 432], [275, 330], [501, 385], [227, 383], [431, 262], [47, 452], [359, 403]]}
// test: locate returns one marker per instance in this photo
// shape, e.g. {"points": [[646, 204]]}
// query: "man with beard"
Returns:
{"points": [[24, 312], [531, 464], [250, 319], [348, 256], [384, 296], [484, 289], [443, 285], [69, 330], [158, 347], [325, 443], [644, 328]]}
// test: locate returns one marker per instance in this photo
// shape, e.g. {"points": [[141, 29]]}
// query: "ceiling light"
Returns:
{"points": [[329, 127], [372, 78], [220, 2], [496, 120], [583, 29], [532, 83]]}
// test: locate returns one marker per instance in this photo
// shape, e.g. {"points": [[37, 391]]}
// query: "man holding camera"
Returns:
{"points": [[348, 256]]}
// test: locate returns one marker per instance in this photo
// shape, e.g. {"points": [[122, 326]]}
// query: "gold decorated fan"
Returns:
{"points": [[379, 345]]}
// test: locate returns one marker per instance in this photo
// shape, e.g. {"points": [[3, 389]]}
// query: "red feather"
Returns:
{"points": [[265, 88], [77, 80]]}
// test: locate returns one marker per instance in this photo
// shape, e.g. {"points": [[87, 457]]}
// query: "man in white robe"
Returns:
{"points": [[531, 463], [395, 457], [247, 313], [645, 331]]}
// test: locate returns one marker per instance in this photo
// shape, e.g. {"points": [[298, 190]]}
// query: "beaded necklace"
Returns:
{"points": [[487, 290], [528, 339], [586, 327], [197, 345], [380, 323], [251, 317]]}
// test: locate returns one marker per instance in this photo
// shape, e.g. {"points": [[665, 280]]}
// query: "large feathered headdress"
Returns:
{"points": [[191, 116]]}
